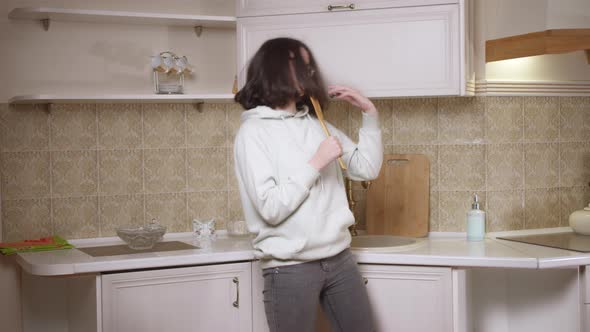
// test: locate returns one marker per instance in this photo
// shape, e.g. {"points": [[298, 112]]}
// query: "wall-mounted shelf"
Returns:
{"points": [[121, 98], [46, 15]]}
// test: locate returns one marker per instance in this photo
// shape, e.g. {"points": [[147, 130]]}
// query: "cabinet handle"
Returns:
{"points": [[365, 280], [237, 301], [332, 7]]}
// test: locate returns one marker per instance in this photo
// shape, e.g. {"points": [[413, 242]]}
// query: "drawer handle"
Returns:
{"points": [[365, 280], [332, 7], [237, 301]]}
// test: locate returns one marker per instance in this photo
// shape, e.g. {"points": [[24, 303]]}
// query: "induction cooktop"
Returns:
{"points": [[565, 240]]}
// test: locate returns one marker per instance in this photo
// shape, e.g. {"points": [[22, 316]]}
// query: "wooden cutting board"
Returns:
{"points": [[398, 200]]}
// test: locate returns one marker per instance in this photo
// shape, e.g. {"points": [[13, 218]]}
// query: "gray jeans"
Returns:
{"points": [[292, 293]]}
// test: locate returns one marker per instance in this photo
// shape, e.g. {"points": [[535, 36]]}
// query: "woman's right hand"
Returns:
{"points": [[328, 151]]}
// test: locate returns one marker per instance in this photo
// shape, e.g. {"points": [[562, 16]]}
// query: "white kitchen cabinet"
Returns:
{"points": [[270, 7], [403, 298], [202, 298], [410, 298], [408, 51]]}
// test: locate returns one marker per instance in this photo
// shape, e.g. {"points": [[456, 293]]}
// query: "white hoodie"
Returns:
{"points": [[297, 213]]}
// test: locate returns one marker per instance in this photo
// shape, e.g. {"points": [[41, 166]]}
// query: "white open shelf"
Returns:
{"points": [[121, 98], [109, 16]]}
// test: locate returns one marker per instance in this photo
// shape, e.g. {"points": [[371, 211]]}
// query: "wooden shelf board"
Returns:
{"points": [[123, 98], [538, 43], [108, 16]]}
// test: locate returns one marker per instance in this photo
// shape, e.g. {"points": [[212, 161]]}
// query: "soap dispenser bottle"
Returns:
{"points": [[476, 221]]}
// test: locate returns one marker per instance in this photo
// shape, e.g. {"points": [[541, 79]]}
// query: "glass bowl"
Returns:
{"points": [[142, 237]]}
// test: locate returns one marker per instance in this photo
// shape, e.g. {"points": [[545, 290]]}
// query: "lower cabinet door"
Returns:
{"points": [[203, 298], [410, 298]]}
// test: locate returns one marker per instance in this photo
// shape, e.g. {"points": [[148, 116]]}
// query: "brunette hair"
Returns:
{"points": [[270, 81]]}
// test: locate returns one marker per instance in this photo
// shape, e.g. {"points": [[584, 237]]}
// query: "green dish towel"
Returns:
{"points": [[42, 244]]}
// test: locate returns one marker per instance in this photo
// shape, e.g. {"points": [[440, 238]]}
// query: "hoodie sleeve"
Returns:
{"points": [[364, 159], [274, 200]]}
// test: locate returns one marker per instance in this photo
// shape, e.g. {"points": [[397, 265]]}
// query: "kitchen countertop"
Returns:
{"points": [[439, 249]]}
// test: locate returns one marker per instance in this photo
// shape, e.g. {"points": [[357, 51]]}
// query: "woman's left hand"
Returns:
{"points": [[352, 96]]}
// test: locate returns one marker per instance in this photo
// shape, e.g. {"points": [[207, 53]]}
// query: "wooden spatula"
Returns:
{"points": [[320, 115]]}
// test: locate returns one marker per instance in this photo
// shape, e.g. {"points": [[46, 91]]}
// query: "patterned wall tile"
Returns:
{"points": [[235, 210], [234, 114], [24, 128], [385, 121], [461, 120], [120, 172], [74, 173], [462, 167], [542, 208], [453, 207], [575, 119], [505, 210], [119, 126], [415, 121], [434, 212], [164, 125], [231, 172], [572, 199], [431, 151], [338, 115], [574, 159], [207, 169], [169, 210], [541, 165], [541, 119], [25, 175], [118, 211], [26, 219], [75, 218], [73, 126], [207, 126], [210, 204], [505, 167], [165, 170], [504, 119]]}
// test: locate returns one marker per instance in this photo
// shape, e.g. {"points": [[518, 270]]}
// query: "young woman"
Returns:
{"points": [[292, 189]]}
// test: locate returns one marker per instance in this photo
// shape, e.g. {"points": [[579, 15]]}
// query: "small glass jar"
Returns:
{"points": [[168, 73]]}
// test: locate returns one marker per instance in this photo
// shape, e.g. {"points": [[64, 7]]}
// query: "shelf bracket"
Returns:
{"points": [[198, 106], [198, 30], [46, 23]]}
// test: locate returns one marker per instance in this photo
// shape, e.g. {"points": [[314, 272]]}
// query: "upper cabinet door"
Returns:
{"points": [[272, 7], [413, 51]]}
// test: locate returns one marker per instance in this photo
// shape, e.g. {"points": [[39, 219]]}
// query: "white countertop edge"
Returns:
{"points": [[563, 262], [46, 269], [137, 263], [559, 259], [159, 262], [432, 260]]}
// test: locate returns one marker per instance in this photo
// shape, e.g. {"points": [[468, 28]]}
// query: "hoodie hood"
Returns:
{"points": [[265, 112]]}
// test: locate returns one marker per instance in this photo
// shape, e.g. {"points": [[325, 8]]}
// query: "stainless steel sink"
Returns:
{"points": [[384, 243]]}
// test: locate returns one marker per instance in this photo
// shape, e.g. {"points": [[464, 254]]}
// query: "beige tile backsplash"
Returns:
{"points": [[82, 170]]}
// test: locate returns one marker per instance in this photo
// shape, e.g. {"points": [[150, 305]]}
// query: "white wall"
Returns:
{"points": [[110, 58]]}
